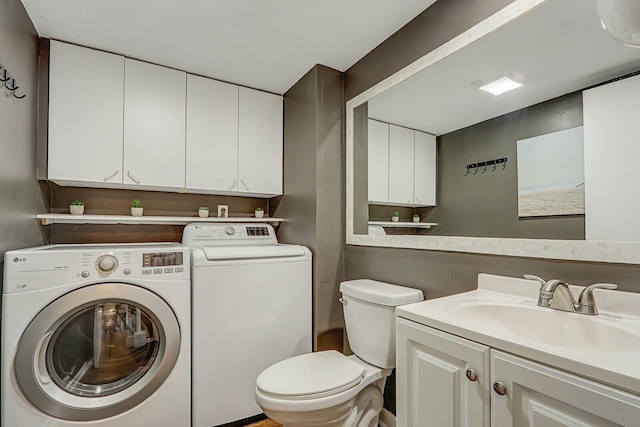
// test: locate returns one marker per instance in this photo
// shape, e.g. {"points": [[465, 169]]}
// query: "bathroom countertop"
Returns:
{"points": [[617, 366]]}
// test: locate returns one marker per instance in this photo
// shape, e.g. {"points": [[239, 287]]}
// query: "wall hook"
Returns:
{"points": [[9, 82], [493, 163], [4, 77]]}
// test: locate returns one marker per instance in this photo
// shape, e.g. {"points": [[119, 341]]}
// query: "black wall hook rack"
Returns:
{"points": [[9, 82], [482, 166]]}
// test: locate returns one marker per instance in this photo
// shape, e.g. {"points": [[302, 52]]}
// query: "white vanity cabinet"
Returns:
{"points": [[154, 125], [435, 389], [401, 165], [442, 380], [86, 102], [540, 396]]}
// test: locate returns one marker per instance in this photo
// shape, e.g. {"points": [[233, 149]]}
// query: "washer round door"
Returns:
{"points": [[97, 351]]}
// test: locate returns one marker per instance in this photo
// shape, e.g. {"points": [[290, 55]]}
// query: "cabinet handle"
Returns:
{"points": [[107, 178], [133, 178], [500, 388], [244, 185], [233, 185], [472, 375]]}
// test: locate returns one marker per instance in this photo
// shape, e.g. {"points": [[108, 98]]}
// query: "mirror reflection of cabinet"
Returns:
{"points": [[401, 165]]}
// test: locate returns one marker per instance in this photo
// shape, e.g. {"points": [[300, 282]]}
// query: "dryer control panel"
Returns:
{"points": [[199, 234]]}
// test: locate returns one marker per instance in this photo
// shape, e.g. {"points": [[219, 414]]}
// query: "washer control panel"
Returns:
{"points": [[57, 265]]}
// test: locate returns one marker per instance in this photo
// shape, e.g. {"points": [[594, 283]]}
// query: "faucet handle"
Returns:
{"points": [[532, 277], [586, 302]]}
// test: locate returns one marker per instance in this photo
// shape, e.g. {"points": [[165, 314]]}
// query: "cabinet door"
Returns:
{"points": [[154, 125], [85, 114], [400, 165], [425, 169], [433, 387], [260, 142], [539, 396], [212, 135], [378, 162]]}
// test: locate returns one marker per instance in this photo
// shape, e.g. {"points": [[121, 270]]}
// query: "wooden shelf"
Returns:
{"points": [[404, 224], [48, 219]]}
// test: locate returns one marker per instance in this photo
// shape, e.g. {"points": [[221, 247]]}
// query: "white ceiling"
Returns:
{"points": [[560, 47], [264, 44]]}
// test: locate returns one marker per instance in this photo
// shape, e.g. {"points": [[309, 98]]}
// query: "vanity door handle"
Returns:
{"points": [[472, 375], [133, 178], [107, 178], [244, 185], [500, 388], [233, 185]]}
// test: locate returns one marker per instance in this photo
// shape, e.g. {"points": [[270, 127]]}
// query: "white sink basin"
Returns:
{"points": [[548, 326]]}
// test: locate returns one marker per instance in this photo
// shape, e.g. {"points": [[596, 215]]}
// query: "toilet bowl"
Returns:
{"points": [[328, 388], [322, 389]]}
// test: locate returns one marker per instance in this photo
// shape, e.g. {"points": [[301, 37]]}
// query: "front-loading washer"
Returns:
{"points": [[96, 335]]}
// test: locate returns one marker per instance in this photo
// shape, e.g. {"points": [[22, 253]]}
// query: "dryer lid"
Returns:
{"points": [[213, 253], [311, 375]]}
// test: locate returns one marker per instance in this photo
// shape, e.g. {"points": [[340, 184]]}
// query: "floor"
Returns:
{"points": [[265, 423]]}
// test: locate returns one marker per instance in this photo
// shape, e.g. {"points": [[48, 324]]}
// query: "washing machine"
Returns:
{"points": [[251, 308], [96, 335]]}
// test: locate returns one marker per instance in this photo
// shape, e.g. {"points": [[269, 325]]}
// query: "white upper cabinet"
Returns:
{"points": [[121, 123], [425, 169], [212, 135], [378, 164], [260, 142], [85, 115], [400, 165], [154, 125]]}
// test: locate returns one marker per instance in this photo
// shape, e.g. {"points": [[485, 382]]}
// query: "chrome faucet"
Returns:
{"points": [[556, 294]]}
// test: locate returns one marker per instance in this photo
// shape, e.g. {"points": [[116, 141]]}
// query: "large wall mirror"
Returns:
{"points": [[544, 170]]}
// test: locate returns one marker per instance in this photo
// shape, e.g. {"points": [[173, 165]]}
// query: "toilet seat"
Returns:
{"points": [[311, 376]]}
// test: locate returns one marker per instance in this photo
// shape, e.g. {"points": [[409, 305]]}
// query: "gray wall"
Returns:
{"points": [[314, 184], [20, 196], [486, 204], [443, 273]]}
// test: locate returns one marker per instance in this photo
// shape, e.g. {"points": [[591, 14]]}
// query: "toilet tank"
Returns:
{"points": [[369, 315]]}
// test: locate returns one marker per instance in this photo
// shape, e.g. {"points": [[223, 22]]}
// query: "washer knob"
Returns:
{"points": [[230, 231], [106, 264]]}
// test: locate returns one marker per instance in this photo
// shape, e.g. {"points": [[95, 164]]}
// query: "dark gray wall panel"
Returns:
{"points": [[20, 196]]}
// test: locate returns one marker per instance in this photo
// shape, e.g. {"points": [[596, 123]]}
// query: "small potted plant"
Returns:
{"points": [[416, 218], [395, 217], [203, 211], [136, 207], [76, 207], [259, 213]]}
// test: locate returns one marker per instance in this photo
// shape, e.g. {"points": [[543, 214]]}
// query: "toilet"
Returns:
{"points": [[328, 388]]}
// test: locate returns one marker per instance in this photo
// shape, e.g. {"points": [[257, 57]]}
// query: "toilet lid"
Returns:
{"points": [[311, 375]]}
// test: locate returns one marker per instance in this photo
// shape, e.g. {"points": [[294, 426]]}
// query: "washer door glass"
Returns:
{"points": [[102, 349], [97, 351]]}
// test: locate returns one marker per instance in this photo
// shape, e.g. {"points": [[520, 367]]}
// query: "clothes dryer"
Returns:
{"points": [[96, 335], [251, 308]]}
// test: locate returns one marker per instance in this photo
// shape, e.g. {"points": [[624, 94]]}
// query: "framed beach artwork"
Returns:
{"points": [[551, 174]]}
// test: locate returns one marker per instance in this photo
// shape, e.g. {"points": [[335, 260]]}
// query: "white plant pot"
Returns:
{"points": [[203, 213], [136, 211], [395, 218], [76, 209], [259, 214], [416, 219]]}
